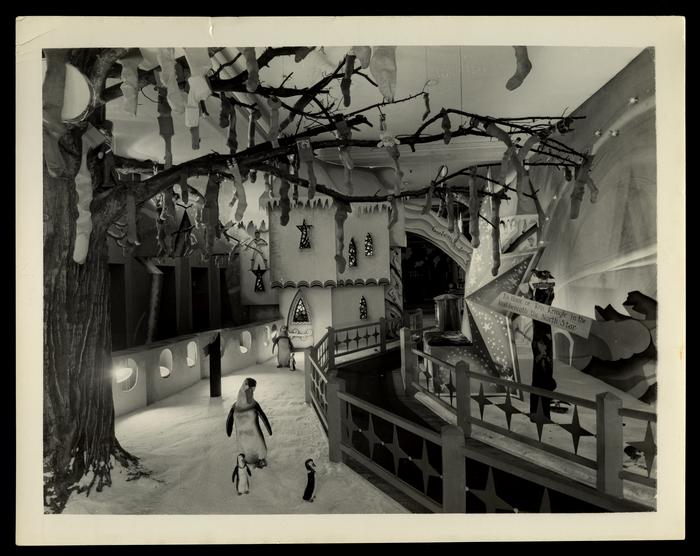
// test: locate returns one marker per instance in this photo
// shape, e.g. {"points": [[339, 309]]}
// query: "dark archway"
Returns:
{"points": [[427, 271]]}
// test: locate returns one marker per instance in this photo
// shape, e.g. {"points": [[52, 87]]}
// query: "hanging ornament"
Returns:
{"points": [[522, 68], [352, 253], [369, 245], [226, 109], [446, 127], [306, 155], [259, 285], [363, 308], [304, 240], [391, 144]]}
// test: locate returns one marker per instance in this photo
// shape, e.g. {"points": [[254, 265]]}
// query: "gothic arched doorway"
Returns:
{"points": [[299, 323]]}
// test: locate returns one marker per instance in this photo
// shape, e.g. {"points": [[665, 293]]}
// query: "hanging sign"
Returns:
{"points": [[559, 318]]}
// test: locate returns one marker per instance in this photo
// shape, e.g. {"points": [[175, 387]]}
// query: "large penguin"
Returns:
{"points": [[285, 348], [244, 414]]}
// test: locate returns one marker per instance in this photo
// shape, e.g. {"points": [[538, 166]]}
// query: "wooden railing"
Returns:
{"points": [[441, 471], [360, 337], [455, 388]]}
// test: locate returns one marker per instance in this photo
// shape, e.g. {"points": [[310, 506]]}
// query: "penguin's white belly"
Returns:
{"points": [[243, 481], [249, 436]]}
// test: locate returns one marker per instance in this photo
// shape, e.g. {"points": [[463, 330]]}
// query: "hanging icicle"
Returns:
{"points": [[341, 213], [251, 65], [306, 155], [474, 206]]}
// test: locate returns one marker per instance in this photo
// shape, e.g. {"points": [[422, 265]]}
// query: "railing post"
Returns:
{"points": [[463, 397], [308, 369], [331, 348], [382, 334], [334, 386], [609, 443], [454, 476], [409, 362]]}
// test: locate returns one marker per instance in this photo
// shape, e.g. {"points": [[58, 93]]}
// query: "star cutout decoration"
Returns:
{"points": [[426, 468], [508, 408], [304, 241], [541, 419], [490, 498], [259, 285], [482, 400], [648, 446], [575, 430]]}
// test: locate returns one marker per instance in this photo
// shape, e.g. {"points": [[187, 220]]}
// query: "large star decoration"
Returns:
{"points": [[259, 285], [490, 497], [648, 446]]}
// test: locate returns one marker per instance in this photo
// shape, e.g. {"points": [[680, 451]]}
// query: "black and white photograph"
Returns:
{"points": [[303, 278]]}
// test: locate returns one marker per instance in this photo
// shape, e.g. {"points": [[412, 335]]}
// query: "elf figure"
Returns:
{"points": [[241, 476], [541, 289]]}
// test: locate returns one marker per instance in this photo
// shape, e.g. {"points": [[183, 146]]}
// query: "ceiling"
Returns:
{"points": [[469, 78]]}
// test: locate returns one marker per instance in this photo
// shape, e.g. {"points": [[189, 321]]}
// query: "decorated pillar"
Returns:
{"points": [[393, 293]]}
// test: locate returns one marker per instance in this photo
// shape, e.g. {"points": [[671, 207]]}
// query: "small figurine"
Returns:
{"points": [[310, 491], [239, 477], [292, 362]]}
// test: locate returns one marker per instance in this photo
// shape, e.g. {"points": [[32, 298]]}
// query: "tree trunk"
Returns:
{"points": [[79, 440]]}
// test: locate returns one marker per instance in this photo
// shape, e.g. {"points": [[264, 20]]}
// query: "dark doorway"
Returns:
{"points": [[200, 298], [427, 272], [226, 312], [167, 317]]}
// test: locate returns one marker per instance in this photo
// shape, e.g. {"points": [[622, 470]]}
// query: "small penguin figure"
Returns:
{"points": [[310, 490], [292, 362], [239, 477], [284, 343], [246, 413]]}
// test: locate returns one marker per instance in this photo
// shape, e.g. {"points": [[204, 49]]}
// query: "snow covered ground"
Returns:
{"points": [[183, 441]]}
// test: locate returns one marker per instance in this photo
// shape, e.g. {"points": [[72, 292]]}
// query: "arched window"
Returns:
{"points": [[127, 376], [246, 341], [191, 354], [301, 313], [166, 363]]}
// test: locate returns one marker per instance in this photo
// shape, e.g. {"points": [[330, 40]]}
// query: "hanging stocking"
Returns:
{"points": [[446, 127], [165, 125], [200, 63], [226, 110], [266, 196], [390, 143], [166, 59], [251, 65], [344, 134], [53, 127], [275, 105], [194, 135], [363, 54], [426, 100], [210, 214], [522, 68], [295, 192], [284, 202], [341, 213], [474, 206], [306, 156], [347, 78], [496, 233], [130, 82], [239, 191], [383, 68]]}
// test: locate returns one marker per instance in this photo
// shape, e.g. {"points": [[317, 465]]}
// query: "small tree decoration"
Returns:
{"points": [[363, 308], [352, 253], [259, 285], [369, 245], [304, 241]]}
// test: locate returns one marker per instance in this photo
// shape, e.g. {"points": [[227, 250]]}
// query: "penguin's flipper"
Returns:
{"points": [[234, 476], [262, 415], [229, 421]]}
